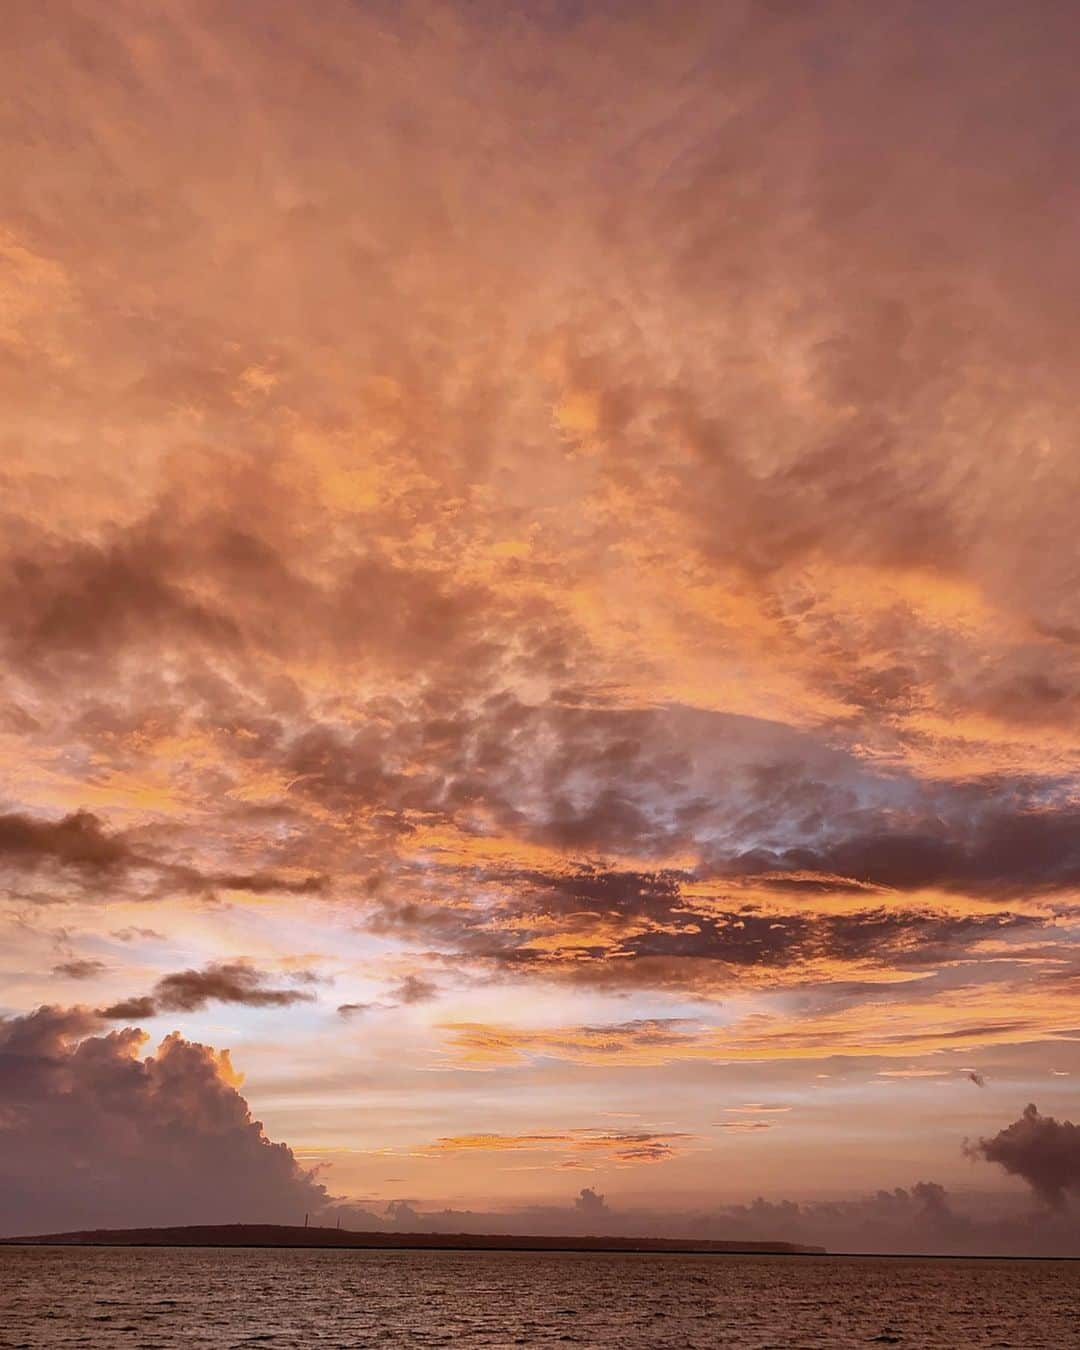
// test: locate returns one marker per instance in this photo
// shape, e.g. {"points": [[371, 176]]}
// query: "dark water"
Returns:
{"points": [[168, 1297]]}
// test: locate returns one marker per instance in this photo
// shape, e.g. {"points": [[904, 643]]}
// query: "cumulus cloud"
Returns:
{"points": [[589, 1201], [1044, 1151], [93, 1135]]}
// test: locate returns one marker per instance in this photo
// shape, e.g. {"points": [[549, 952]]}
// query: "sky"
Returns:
{"points": [[540, 617]]}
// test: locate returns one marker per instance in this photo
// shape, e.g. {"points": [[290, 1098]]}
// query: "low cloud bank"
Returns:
{"points": [[1044, 1151], [921, 1220]]}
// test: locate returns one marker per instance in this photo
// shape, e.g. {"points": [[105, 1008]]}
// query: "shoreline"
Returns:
{"points": [[294, 1237], [497, 1243]]}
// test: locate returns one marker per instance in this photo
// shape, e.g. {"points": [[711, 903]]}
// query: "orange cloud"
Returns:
{"points": [[620, 1147], [556, 552]]}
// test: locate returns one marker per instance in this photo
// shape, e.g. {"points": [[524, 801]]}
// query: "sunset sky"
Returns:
{"points": [[539, 602]]}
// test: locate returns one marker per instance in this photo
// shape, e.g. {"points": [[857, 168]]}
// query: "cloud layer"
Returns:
{"points": [[538, 541]]}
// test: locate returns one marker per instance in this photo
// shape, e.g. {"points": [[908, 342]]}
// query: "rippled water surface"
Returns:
{"points": [[170, 1297]]}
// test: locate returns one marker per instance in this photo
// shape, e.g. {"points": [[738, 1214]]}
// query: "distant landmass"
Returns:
{"points": [[284, 1235]]}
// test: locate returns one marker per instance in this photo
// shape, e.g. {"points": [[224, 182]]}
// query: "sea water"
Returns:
{"points": [[182, 1297]]}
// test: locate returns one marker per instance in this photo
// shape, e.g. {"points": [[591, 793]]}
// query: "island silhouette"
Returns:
{"points": [[297, 1235]]}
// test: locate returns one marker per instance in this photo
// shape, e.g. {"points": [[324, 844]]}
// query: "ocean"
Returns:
{"points": [[183, 1297]]}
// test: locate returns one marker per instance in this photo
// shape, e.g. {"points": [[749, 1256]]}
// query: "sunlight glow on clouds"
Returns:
{"points": [[538, 561]]}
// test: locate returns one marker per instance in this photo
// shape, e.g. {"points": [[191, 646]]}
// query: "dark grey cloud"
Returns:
{"points": [[749, 937], [81, 845], [131, 1009], [415, 989], [79, 968], [81, 601], [78, 841], [218, 982], [988, 849]]}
